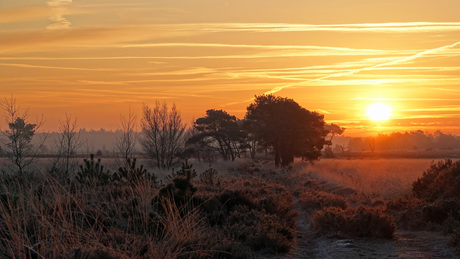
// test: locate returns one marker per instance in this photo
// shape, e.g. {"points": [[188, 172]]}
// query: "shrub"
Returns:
{"points": [[133, 174], [369, 222], [359, 222], [316, 200], [328, 220], [226, 219], [441, 180], [254, 213], [407, 212], [92, 173], [209, 176]]}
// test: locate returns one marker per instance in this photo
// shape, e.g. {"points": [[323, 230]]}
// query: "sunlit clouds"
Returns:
{"points": [[331, 57], [59, 8]]}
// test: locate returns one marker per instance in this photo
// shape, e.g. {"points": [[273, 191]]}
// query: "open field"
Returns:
{"points": [[383, 178]]}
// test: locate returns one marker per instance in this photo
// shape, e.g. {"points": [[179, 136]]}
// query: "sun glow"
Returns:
{"points": [[379, 112]]}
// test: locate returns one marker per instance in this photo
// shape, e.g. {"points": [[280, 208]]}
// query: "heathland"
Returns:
{"points": [[280, 183]]}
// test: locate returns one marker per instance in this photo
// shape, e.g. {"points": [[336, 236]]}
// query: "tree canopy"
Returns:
{"points": [[220, 131], [163, 134], [288, 128]]}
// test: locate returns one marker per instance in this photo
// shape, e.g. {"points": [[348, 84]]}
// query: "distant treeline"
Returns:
{"points": [[103, 140], [93, 141], [413, 140]]}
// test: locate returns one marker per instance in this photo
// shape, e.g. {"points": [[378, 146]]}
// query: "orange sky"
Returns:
{"points": [[94, 59]]}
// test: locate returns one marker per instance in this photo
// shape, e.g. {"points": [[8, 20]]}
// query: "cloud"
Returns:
{"points": [[388, 61], [54, 67], [404, 27], [58, 3], [395, 61], [59, 8]]}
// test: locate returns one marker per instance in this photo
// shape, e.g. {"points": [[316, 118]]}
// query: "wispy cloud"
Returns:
{"points": [[390, 61], [402, 27], [395, 61], [449, 108], [55, 67], [59, 8]]}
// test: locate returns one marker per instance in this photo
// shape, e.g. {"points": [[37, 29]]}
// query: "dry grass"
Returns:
{"points": [[247, 206], [52, 217], [383, 178], [64, 221]]}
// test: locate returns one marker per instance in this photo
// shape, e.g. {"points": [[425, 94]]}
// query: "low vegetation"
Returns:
{"points": [[317, 200], [353, 222], [128, 214]]}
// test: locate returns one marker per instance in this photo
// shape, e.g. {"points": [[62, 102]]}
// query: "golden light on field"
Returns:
{"points": [[379, 112]]}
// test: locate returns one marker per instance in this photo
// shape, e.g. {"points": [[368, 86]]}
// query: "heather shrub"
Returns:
{"points": [[370, 222], [440, 181], [407, 212], [359, 222], [439, 189], [328, 220], [316, 200], [255, 213], [312, 184]]}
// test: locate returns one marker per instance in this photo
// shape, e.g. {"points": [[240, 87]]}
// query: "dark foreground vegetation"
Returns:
{"points": [[99, 214], [248, 210]]}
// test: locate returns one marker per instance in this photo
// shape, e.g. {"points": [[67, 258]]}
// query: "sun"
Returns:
{"points": [[379, 112]]}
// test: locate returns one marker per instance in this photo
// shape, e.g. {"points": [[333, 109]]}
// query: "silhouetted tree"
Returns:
{"points": [[220, 131], [125, 143], [287, 127], [163, 134], [67, 146], [333, 129], [19, 134]]}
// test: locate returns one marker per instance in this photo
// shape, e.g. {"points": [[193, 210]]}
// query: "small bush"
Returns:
{"points": [[407, 212], [369, 222], [329, 220], [92, 173], [360, 222], [440, 181], [316, 200], [255, 213]]}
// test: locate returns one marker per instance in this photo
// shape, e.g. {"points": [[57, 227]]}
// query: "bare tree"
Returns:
{"points": [[125, 143], [67, 145], [163, 134], [19, 147]]}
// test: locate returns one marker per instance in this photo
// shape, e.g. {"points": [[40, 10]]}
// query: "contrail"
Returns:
{"points": [[352, 72]]}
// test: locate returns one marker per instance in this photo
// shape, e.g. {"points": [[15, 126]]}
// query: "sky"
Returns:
{"points": [[97, 59]]}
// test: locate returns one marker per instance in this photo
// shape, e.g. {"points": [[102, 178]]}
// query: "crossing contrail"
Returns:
{"points": [[396, 61]]}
